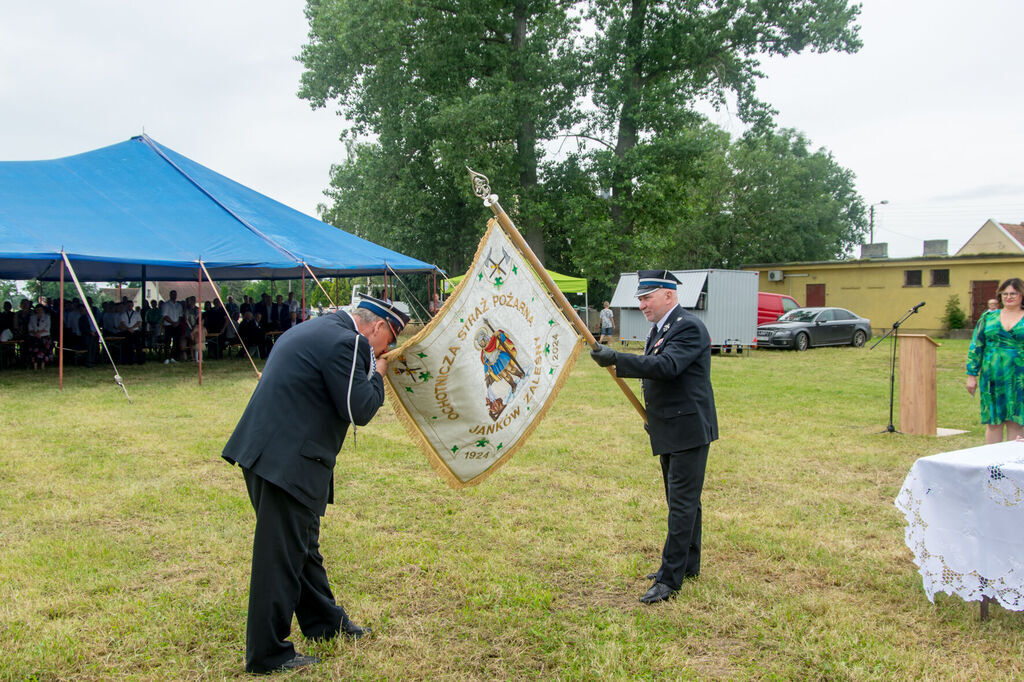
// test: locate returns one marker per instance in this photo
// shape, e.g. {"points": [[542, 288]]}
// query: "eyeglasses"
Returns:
{"points": [[1010, 294], [394, 334]]}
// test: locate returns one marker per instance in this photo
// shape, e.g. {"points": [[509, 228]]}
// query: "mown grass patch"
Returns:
{"points": [[125, 539]]}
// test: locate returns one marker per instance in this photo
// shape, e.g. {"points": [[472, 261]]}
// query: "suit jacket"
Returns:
{"points": [[263, 310], [676, 373], [306, 384]]}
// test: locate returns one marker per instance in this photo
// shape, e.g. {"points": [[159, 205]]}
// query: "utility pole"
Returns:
{"points": [[871, 238]]}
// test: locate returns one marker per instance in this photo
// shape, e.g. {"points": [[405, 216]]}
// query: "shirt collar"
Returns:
{"points": [[664, 319]]}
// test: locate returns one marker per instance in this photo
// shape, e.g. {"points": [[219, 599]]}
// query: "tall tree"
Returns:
{"points": [[703, 200], [654, 60], [431, 86], [787, 203]]}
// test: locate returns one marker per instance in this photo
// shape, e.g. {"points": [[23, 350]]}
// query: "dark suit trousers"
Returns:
{"points": [[287, 577], [683, 474]]}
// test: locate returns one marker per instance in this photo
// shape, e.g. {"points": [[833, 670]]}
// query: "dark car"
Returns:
{"points": [[805, 327]]}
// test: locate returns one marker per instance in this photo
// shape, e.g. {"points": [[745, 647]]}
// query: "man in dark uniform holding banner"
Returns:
{"points": [[681, 419], [322, 376]]}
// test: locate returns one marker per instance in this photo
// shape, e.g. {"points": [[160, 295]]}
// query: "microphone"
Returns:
{"points": [[919, 305]]}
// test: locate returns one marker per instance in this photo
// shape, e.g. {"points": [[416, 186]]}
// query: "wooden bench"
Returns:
{"points": [[10, 351], [114, 343], [75, 353]]}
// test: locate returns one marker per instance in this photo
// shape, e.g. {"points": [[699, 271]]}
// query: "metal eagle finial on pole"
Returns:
{"points": [[482, 190]]}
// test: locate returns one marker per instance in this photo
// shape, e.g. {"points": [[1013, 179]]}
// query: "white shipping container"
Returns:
{"points": [[724, 300]]}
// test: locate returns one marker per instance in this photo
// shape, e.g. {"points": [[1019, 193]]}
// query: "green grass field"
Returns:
{"points": [[125, 539]]}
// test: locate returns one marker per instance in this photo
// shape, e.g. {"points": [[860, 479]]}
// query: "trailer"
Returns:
{"points": [[724, 300]]}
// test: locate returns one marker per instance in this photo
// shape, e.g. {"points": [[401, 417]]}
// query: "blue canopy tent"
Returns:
{"points": [[140, 211]]}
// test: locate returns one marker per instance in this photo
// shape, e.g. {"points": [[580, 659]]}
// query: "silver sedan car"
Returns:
{"points": [[805, 327]]}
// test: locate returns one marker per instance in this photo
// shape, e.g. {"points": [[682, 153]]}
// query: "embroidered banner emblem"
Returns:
{"points": [[473, 384]]}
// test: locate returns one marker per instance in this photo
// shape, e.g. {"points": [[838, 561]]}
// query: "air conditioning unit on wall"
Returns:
{"points": [[775, 275]]}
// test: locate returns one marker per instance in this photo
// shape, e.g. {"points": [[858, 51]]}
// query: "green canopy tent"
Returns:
{"points": [[565, 284]]}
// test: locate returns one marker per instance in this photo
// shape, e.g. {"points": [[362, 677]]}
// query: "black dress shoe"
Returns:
{"points": [[299, 661], [658, 592], [352, 630]]}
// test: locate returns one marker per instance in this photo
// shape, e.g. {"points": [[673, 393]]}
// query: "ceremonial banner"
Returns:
{"points": [[473, 384]]}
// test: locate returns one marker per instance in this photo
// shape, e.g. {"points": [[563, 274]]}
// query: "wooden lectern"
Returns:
{"points": [[918, 411]]}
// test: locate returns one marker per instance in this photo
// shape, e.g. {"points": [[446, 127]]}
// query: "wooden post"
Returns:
{"points": [[561, 301], [918, 409]]}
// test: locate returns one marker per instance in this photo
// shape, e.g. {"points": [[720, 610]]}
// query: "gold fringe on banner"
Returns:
{"points": [[413, 427]]}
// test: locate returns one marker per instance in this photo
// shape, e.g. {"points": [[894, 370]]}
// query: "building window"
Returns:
{"points": [[940, 278], [911, 278]]}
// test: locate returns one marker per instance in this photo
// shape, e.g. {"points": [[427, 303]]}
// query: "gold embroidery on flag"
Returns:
{"points": [[477, 379]]}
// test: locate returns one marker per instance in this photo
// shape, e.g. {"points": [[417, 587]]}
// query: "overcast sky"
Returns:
{"points": [[926, 114]]}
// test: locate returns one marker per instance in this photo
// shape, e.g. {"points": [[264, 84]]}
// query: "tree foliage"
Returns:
{"points": [[440, 85], [34, 289], [433, 86], [9, 291]]}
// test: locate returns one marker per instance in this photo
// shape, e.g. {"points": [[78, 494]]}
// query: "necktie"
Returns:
{"points": [[650, 337]]}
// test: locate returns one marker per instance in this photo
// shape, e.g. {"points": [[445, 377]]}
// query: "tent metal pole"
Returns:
{"points": [[396, 280], [433, 291], [60, 336], [238, 334], [302, 313], [320, 284], [199, 318], [96, 327]]}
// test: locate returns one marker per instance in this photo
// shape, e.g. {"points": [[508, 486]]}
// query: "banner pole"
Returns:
{"points": [[482, 189]]}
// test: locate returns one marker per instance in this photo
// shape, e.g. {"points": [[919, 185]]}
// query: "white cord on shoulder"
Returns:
{"points": [[351, 378]]}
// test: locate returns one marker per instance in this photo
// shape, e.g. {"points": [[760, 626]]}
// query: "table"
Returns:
{"points": [[271, 339], [965, 523]]}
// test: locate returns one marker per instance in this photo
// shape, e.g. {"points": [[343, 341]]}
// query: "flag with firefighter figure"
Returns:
{"points": [[475, 381]]}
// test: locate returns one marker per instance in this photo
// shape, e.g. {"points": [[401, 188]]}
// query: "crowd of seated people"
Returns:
{"points": [[169, 329], [248, 324]]}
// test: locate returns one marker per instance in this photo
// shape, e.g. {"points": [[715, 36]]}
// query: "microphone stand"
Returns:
{"points": [[895, 332]]}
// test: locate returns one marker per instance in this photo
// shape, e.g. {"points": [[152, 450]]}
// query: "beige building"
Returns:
{"points": [[883, 289]]}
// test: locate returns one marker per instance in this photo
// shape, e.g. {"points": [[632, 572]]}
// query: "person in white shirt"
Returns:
{"points": [[40, 346], [607, 323], [294, 308], [129, 325], [109, 319], [71, 321], [172, 311]]}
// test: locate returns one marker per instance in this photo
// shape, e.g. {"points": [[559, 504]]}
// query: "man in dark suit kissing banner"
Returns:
{"points": [[323, 375], [681, 419]]}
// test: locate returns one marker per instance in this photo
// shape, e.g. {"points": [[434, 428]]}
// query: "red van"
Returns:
{"points": [[770, 306]]}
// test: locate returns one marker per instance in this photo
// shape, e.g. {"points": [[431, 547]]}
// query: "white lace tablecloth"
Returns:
{"points": [[965, 522]]}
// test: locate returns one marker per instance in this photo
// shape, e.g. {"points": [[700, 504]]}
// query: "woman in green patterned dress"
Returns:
{"points": [[996, 358]]}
